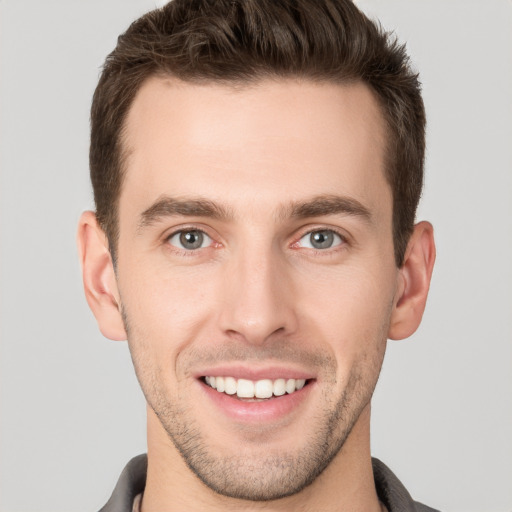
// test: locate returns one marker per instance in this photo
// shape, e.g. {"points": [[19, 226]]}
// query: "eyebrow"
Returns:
{"points": [[327, 205], [318, 206], [167, 206]]}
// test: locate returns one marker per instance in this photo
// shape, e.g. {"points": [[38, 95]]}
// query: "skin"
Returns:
{"points": [[256, 294]]}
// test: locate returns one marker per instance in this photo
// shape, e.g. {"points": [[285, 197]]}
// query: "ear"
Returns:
{"points": [[99, 278], [413, 282]]}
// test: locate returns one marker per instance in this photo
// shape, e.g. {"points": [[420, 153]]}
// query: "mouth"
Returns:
{"points": [[255, 390], [273, 395]]}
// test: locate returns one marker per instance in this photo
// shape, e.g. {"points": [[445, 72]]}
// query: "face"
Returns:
{"points": [[256, 273]]}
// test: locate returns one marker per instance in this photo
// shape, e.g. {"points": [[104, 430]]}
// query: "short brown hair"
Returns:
{"points": [[240, 41]]}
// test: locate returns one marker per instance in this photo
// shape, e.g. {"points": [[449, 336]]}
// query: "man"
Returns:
{"points": [[256, 167]]}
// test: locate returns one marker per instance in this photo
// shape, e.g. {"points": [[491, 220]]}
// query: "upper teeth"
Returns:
{"points": [[254, 389]]}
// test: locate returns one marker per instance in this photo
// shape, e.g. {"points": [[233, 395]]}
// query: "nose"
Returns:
{"points": [[258, 298]]}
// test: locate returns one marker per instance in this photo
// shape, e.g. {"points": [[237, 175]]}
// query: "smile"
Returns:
{"points": [[259, 389]]}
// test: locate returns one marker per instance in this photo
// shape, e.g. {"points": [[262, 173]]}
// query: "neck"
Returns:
{"points": [[346, 484]]}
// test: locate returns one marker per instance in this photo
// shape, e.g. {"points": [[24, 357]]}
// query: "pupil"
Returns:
{"points": [[322, 239], [191, 239]]}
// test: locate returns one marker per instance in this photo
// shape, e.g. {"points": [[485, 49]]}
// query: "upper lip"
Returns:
{"points": [[255, 373]]}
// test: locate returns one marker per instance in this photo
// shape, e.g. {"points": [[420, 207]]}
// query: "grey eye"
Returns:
{"points": [[321, 239], [190, 239]]}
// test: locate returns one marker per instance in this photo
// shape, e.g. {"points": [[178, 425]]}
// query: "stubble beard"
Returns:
{"points": [[266, 476], [269, 475], [260, 475]]}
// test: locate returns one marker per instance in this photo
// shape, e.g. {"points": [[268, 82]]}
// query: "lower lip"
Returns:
{"points": [[267, 410]]}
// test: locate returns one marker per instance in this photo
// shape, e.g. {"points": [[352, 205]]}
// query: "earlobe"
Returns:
{"points": [[99, 278], [414, 282]]}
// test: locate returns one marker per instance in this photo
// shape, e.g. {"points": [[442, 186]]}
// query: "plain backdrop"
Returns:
{"points": [[71, 411]]}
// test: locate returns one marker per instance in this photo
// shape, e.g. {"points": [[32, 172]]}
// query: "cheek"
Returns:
{"points": [[165, 311], [351, 311], [354, 299]]}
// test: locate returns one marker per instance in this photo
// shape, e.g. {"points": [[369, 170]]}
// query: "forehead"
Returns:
{"points": [[282, 139]]}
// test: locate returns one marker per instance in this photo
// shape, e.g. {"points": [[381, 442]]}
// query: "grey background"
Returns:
{"points": [[71, 410]]}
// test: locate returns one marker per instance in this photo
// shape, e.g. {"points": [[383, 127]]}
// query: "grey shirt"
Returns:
{"points": [[390, 490]]}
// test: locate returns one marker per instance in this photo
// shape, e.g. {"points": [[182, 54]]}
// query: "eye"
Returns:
{"points": [[321, 239], [190, 239]]}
